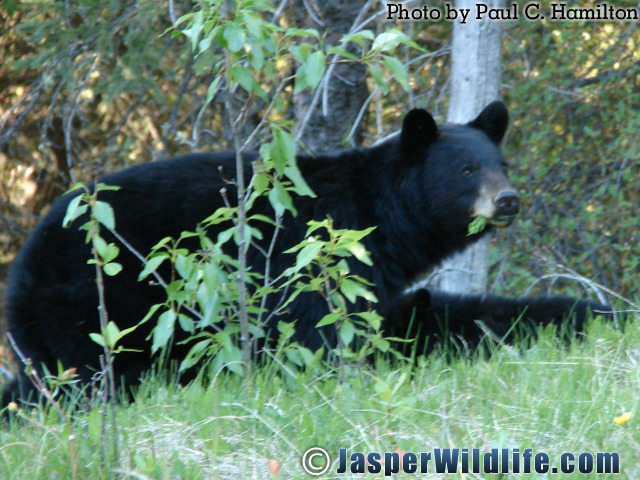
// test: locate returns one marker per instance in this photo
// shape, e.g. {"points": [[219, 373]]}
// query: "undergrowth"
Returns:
{"points": [[550, 396]]}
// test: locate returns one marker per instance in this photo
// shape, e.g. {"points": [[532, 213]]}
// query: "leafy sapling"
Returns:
{"points": [[321, 267], [103, 257]]}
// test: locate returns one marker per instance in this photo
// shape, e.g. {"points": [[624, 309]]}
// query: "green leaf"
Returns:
{"points": [[261, 182], [308, 254], [225, 235], [390, 39], [74, 210], [235, 37], [256, 53], [151, 312], [358, 37], [244, 76], [112, 268], [213, 88], [210, 308], [372, 318], [357, 250], [306, 354], [283, 150], [232, 358], [300, 32], [286, 329], [184, 18], [103, 212], [195, 354], [101, 246], [381, 344], [205, 43], [315, 225], [161, 243], [103, 187], [329, 319], [386, 41], [301, 79], [378, 76], [186, 323], [151, 266], [350, 289], [396, 67], [184, 265], [125, 332], [163, 330], [77, 186], [347, 332], [357, 235], [111, 334], [301, 186], [280, 200], [111, 253], [477, 225], [193, 32], [99, 339], [106, 251], [342, 52], [314, 70]]}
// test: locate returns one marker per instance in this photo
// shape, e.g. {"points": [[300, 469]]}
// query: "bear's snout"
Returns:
{"points": [[507, 203]]}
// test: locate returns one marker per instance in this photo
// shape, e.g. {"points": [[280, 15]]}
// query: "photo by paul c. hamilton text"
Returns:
{"points": [[530, 11]]}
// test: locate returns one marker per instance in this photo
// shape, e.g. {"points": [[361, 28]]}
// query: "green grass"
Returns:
{"points": [[550, 397]]}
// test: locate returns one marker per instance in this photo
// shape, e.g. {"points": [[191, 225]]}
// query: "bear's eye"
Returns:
{"points": [[468, 170], [504, 166]]}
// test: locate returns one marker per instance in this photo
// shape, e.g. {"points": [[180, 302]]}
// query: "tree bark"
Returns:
{"points": [[475, 82], [347, 88]]}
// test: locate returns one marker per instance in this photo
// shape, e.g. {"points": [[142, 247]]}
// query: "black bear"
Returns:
{"points": [[431, 316], [421, 189]]}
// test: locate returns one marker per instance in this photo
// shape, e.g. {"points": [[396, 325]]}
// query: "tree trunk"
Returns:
{"points": [[475, 82], [334, 113]]}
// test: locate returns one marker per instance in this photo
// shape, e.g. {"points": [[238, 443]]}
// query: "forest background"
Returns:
{"points": [[90, 87]]}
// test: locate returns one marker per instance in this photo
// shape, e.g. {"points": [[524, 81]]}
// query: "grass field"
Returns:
{"points": [[550, 397]]}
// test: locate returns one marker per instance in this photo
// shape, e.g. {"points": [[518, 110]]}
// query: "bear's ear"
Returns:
{"points": [[422, 299], [419, 129], [493, 121]]}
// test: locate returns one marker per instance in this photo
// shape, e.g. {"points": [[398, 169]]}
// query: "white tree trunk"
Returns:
{"points": [[475, 82]]}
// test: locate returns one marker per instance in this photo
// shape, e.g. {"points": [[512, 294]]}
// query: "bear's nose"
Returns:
{"points": [[507, 202]]}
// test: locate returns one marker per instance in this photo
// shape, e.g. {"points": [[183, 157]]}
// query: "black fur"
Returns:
{"points": [[432, 316], [415, 188]]}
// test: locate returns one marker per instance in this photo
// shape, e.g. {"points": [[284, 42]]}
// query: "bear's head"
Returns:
{"points": [[458, 172]]}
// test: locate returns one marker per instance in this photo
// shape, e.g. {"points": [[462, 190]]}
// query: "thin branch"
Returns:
{"points": [[276, 15], [242, 246], [267, 265], [172, 12], [195, 134], [69, 123]]}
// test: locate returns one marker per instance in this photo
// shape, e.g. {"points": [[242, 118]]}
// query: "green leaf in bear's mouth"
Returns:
{"points": [[477, 225]]}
